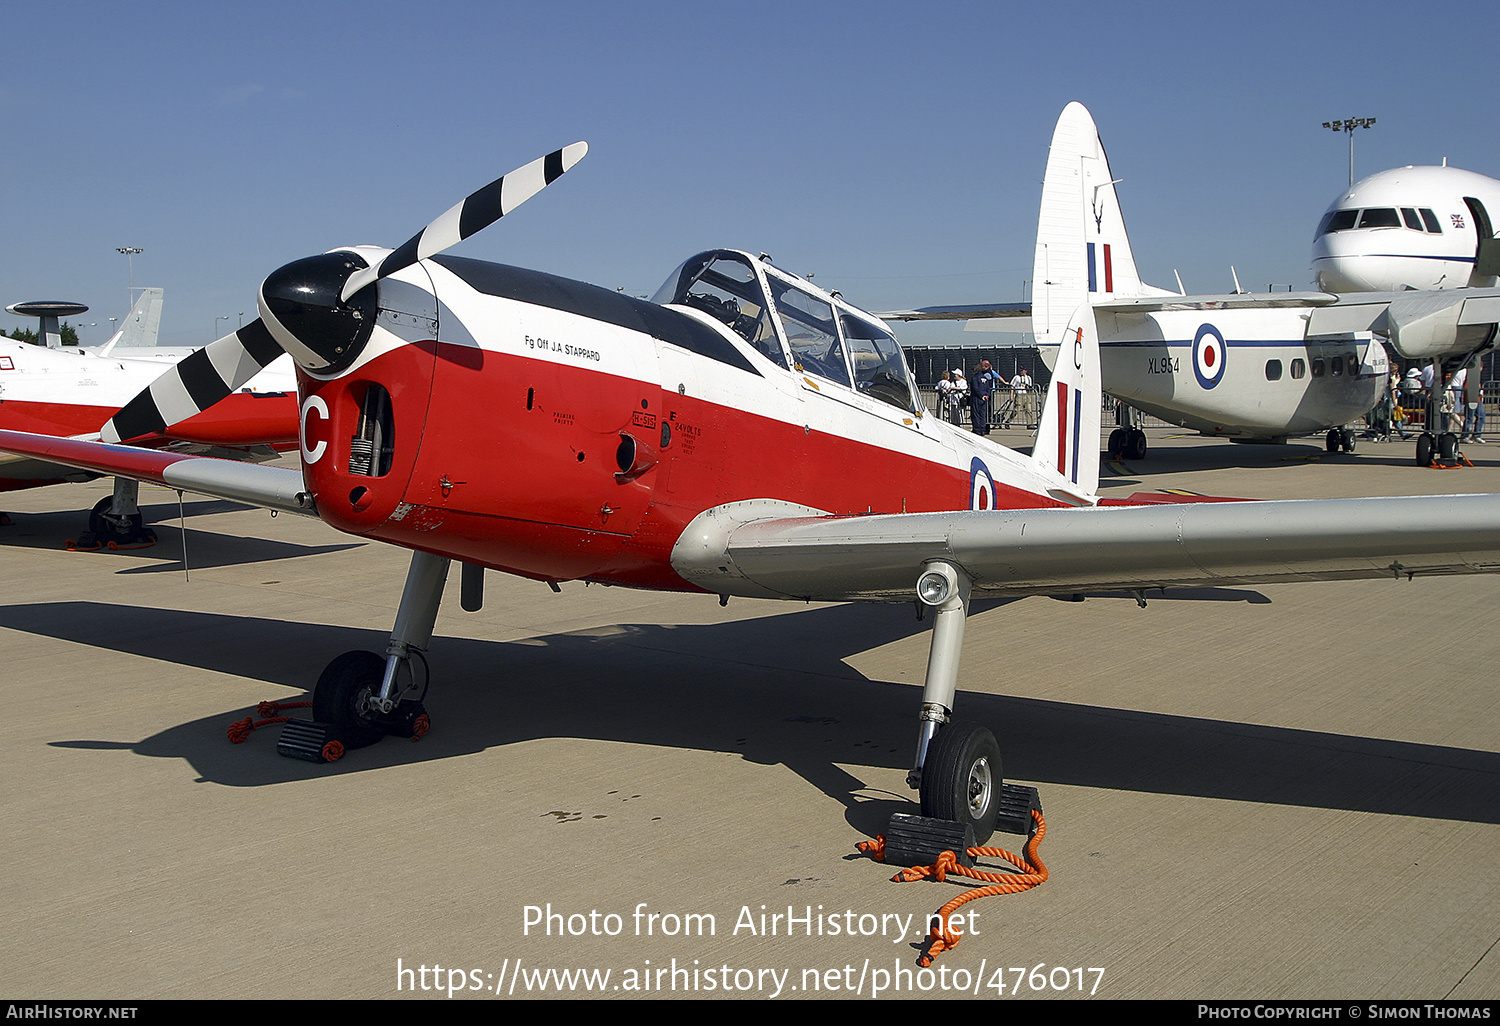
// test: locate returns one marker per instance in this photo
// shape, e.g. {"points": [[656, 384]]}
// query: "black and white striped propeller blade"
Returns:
{"points": [[195, 383], [474, 214]]}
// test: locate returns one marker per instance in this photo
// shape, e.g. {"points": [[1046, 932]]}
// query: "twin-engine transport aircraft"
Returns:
{"points": [[743, 433], [1245, 366], [1410, 228], [73, 391]]}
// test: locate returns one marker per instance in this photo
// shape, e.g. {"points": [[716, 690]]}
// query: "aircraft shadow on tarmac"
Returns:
{"points": [[773, 690], [205, 549], [1219, 454]]}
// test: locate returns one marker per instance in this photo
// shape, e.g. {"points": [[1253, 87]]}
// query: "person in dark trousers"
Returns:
{"points": [[981, 395]]}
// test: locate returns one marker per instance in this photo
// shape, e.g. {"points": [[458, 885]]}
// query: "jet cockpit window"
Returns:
{"points": [[1431, 221], [1409, 216], [810, 331], [879, 368], [724, 286], [1379, 217], [1339, 221]]}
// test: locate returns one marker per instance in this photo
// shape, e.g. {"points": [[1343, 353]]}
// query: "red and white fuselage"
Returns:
{"points": [[560, 431]]}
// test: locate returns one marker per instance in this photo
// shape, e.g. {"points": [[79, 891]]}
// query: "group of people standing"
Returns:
{"points": [[1460, 404], [955, 393]]}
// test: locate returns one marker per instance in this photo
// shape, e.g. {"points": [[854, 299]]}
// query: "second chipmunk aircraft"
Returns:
{"points": [[743, 433]]}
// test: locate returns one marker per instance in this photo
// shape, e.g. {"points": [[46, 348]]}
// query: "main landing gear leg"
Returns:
{"points": [[117, 520], [364, 697], [957, 766]]}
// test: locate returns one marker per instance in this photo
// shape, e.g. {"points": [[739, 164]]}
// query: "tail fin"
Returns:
{"points": [[1082, 251], [1067, 440], [141, 324]]}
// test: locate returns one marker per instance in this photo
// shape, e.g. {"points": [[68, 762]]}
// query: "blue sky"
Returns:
{"points": [[895, 150]]}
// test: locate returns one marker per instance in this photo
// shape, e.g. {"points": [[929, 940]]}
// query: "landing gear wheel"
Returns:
{"points": [[1425, 446], [105, 529], [1331, 443], [1348, 439], [1135, 444], [1448, 446], [342, 699], [1117, 442], [961, 778]]}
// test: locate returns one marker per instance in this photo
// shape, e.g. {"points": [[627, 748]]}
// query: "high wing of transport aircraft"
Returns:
{"points": [[1244, 366], [744, 433], [74, 391]]}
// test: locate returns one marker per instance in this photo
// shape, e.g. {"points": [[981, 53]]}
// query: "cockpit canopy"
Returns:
{"points": [[794, 324], [1417, 219]]}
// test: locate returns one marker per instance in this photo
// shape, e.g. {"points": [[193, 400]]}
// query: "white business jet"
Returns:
{"points": [[1408, 228]]}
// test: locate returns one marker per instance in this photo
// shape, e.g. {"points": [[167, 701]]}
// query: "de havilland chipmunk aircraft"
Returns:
{"points": [[1251, 367], [743, 433], [71, 391]]}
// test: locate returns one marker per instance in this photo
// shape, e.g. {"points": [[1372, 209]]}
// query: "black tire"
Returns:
{"points": [[106, 529], [1349, 439], [1448, 446], [340, 697], [1135, 445], [961, 778], [1331, 442], [1117, 442], [1424, 449]]}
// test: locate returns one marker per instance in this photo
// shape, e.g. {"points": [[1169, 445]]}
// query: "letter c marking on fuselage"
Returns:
{"points": [[312, 403]]}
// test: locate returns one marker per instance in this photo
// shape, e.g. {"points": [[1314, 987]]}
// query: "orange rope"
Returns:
{"points": [[240, 730], [943, 937]]}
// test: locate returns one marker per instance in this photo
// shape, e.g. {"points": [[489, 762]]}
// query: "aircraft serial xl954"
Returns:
{"points": [[1250, 367], [742, 434], [53, 390]]}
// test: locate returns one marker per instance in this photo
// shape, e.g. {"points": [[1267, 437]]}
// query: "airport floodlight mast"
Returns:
{"points": [[1348, 125], [130, 252]]}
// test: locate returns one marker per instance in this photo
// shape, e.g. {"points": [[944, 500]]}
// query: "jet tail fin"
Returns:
{"points": [[1082, 250], [141, 325], [1067, 440]]}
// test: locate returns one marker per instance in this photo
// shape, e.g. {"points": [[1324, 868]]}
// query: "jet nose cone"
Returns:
{"points": [[301, 307]]}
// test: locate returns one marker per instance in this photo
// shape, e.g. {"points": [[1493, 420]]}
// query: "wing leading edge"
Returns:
{"points": [[1060, 551], [1004, 552], [278, 488]]}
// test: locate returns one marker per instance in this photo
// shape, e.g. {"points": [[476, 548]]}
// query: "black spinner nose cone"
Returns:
{"points": [[303, 298]]}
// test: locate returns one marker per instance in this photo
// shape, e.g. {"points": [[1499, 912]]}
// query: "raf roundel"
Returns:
{"points": [[1208, 356]]}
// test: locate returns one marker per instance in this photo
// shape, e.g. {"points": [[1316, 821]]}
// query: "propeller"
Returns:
{"points": [[316, 310], [477, 212]]}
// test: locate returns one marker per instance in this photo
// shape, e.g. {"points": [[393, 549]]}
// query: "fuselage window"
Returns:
{"points": [[1353, 363], [810, 331], [1336, 366], [1379, 217], [1430, 220], [1317, 367], [1273, 370], [1299, 368]]}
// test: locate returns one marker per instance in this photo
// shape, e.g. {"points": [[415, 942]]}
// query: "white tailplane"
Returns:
{"points": [[1067, 439]]}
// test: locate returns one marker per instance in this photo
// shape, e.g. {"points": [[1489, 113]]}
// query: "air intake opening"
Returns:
{"points": [[372, 448]]}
